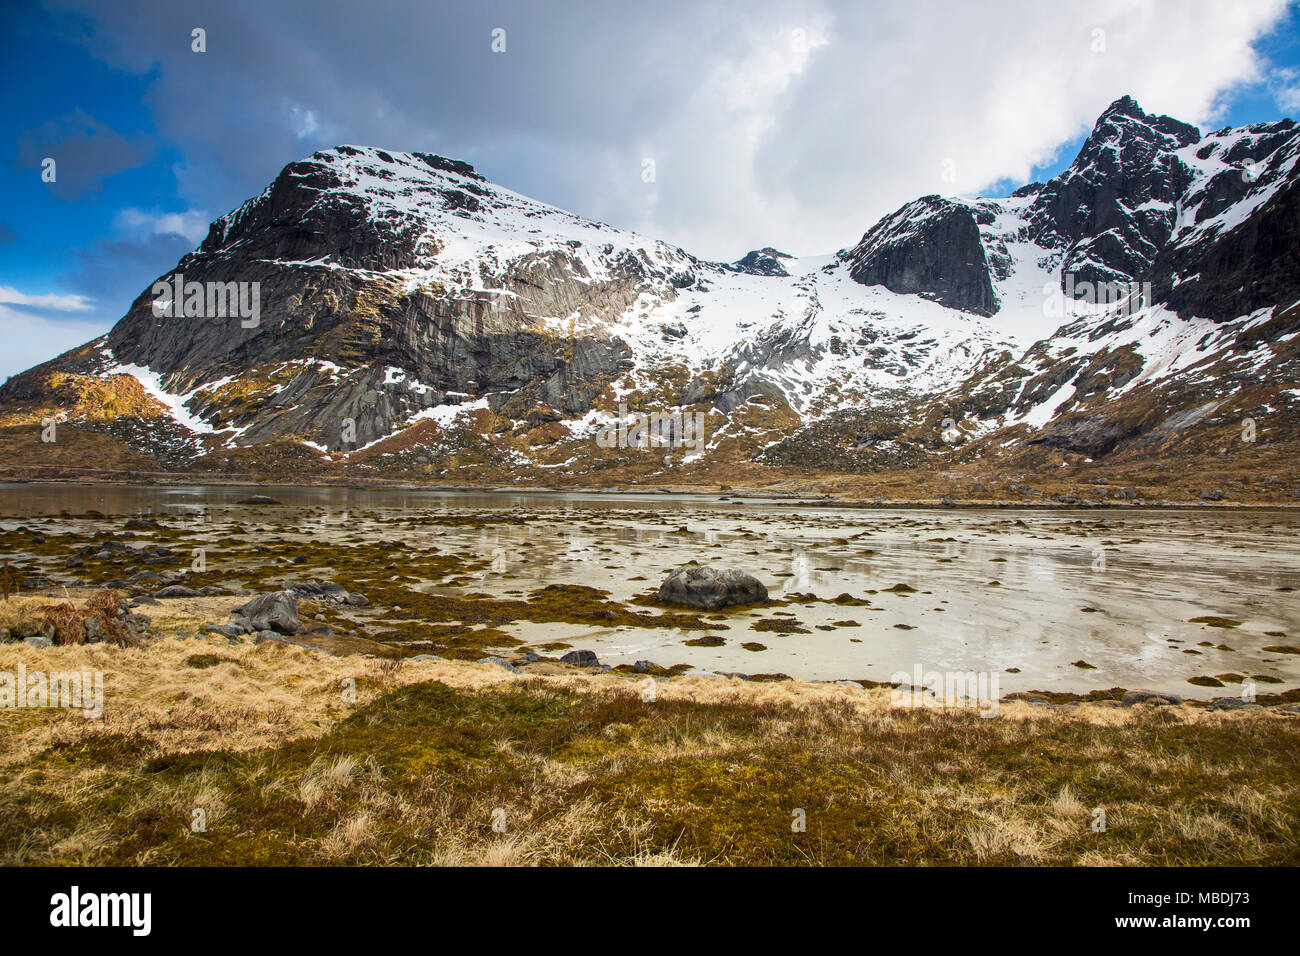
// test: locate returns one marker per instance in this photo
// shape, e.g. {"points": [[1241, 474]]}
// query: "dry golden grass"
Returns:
{"points": [[295, 756]]}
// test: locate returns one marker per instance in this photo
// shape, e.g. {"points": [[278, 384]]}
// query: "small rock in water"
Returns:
{"points": [[711, 588], [257, 500]]}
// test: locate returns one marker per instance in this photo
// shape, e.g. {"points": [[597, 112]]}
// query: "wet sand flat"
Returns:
{"points": [[1056, 600]]}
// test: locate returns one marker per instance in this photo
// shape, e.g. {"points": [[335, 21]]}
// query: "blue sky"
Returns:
{"points": [[792, 124]]}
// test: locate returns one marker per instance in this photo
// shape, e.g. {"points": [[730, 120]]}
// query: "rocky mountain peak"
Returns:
{"points": [[930, 247], [762, 262], [1112, 123], [1113, 210]]}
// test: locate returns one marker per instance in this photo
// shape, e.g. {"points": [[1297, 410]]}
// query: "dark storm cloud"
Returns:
{"points": [[85, 151], [280, 80]]}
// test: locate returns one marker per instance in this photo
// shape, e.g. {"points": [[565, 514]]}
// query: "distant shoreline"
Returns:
{"points": [[746, 494]]}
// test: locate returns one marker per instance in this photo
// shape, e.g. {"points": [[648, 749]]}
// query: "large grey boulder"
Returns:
{"points": [[711, 588], [277, 611]]}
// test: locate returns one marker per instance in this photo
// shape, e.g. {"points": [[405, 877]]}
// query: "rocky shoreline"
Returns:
{"points": [[273, 617]]}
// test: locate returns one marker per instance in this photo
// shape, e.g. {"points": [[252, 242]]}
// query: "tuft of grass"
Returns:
{"points": [[204, 661]]}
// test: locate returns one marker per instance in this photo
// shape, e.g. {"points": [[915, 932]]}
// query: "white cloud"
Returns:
{"points": [[1284, 87], [758, 139], [808, 158], [32, 339], [49, 300], [192, 223], [306, 125]]}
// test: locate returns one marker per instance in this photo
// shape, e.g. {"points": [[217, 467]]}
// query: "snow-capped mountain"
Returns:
{"points": [[411, 313]]}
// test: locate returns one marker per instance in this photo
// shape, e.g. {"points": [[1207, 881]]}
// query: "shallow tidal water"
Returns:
{"points": [[1028, 595]]}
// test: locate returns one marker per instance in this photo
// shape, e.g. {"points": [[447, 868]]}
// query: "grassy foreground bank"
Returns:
{"points": [[288, 756]]}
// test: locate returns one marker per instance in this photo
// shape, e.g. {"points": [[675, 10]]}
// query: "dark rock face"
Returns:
{"points": [[1091, 435], [931, 247], [711, 588], [455, 348], [1251, 265], [277, 611], [761, 262], [1113, 213], [1113, 209]]}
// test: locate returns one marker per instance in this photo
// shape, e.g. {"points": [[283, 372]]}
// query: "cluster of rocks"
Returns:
{"points": [[589, 660], [582, 658], [135, 625], [265, 615], [115, 549], [274, 615], [326, 592], [1159, 698]]}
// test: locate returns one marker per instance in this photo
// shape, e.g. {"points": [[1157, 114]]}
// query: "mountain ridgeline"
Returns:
{"points": [[416, 321]]}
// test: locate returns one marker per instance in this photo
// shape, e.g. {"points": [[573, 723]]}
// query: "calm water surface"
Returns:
{"points": [[998, 589]]}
